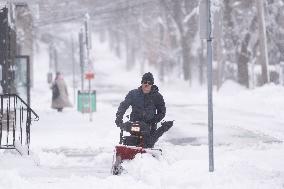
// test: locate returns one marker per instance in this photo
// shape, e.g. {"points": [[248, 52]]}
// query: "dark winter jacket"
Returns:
{"points": [[149, 108]]}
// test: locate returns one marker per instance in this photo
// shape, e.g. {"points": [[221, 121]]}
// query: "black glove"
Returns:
{"points": [[126, 126], [118, 122]]}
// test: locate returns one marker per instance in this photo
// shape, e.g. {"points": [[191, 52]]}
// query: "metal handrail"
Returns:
{"points": [[28, 107], [11, 120]]}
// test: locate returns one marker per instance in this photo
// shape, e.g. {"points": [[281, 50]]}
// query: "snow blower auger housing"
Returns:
{"points": [[139, 141]]}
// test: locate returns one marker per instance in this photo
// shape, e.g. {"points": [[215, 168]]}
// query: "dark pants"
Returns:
{"points": [[155, 134]]}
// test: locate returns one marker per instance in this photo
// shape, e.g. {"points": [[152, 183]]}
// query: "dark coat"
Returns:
{"points": [[149, 108]]}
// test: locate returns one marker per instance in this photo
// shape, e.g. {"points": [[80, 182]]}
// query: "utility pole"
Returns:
{"points": [[55, 60], [88, 42], [73, 70], [82, 62], [209, 83], [205, 33], [90, 70]]}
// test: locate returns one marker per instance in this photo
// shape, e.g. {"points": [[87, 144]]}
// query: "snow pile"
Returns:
{"points": [[69, 151]]}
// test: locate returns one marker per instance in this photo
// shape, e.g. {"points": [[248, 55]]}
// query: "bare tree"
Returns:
{"points": [[182, 13]]}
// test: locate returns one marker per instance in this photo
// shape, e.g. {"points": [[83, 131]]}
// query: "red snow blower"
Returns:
{"points": [[139, 141]]}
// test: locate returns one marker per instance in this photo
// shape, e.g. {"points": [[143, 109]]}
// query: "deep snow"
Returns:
{"points": [[69, 151]]}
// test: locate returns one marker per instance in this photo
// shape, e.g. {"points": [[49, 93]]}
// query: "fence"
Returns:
{"points": [[15, 122]]}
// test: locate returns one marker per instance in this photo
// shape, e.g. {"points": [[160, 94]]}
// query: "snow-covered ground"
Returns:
{"points": [[70, 152]]}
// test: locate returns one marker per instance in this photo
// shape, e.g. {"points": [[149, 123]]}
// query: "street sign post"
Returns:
{"points": [[205, 33], [89, 76]]}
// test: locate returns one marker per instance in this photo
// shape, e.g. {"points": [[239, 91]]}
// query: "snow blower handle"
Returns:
{"points": [[125, 126], [167, 124], [120, 136]]}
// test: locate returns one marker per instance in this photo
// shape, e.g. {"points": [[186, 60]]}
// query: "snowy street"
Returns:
{"points": [[69, 151]]}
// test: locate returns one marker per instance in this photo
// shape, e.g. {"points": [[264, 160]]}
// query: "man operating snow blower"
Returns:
{"points": [[148, 108]]}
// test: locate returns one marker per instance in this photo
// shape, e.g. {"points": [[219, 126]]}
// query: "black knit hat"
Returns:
{"points": [[148, 77]]}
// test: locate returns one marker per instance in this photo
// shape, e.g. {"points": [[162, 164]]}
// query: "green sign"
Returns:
{"points": [[86, 101]]}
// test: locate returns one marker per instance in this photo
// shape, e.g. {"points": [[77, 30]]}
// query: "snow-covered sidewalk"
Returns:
{"points": [[69, 151]]}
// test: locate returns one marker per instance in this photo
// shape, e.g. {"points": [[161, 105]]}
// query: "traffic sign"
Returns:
{"points": [[89, 75]]}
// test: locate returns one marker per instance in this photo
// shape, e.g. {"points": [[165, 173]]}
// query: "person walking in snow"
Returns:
{"points": [[59, 93], [148, 106]]}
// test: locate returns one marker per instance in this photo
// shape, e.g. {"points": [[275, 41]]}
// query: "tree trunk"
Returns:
{"points": [[128, 51], [218, 48], [243, 77], [117, 45], [161, 59], [185, 59], [262, 43]]}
